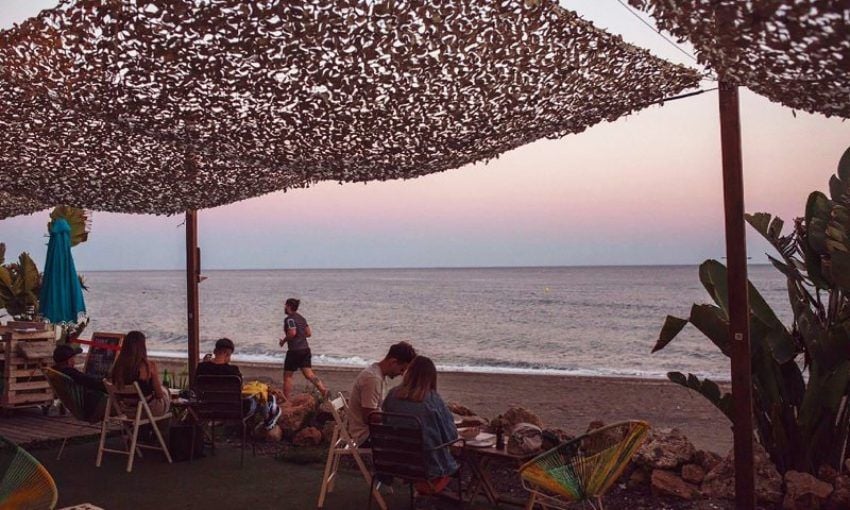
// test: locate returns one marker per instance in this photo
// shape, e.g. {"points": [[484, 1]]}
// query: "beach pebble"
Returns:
{"points": [[296, 411], [803, 491]]}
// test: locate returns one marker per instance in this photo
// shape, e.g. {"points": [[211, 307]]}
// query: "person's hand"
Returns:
{"points": [[280, 342]]}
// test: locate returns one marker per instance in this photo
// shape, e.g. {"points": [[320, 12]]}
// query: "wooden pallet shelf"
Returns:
{"points": [[22, 383]]}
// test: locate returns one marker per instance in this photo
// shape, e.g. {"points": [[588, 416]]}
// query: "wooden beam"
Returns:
{"points": [[193, 272], [739, 306]]}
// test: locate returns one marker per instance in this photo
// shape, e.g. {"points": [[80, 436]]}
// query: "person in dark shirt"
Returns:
{"points": [[64, 357], [220, 363], [94, 398], [296, 331]]}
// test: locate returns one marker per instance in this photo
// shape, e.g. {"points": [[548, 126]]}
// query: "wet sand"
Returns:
{"points": [[566, 402]]}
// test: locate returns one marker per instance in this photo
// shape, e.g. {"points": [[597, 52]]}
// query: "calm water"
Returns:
{"points": [[587, 320]]}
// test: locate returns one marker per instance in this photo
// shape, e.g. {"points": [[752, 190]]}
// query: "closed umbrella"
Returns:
{"points": [[61, 298]]}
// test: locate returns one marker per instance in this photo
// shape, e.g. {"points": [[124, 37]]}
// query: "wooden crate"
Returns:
{"points": [[23, 383]]}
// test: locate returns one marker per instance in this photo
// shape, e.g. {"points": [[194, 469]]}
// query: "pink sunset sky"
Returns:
{"points": [[645, 189]]}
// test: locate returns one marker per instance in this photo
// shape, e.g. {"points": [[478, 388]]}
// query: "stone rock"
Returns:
{"points": [[471, 421], [668, 483], [516, 415], [295, 412], [840, 497], [309, 436], [665, 449], [804, 492], [554, 437], [707, 460], [460, 410], [827, 473], [638, 479], [720, 481], [693, 473]]}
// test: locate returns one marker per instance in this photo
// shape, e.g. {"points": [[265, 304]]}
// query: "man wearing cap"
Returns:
{"points": [[94, 399]]}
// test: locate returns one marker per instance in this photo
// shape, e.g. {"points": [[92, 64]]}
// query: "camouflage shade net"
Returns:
{"points": [[159, 106], [794, 52]]}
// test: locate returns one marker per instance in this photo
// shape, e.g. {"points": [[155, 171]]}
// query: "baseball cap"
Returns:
{"points": [[63, 353]]}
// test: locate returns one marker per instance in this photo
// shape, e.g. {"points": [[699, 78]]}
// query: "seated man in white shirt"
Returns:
{"points": [[370, 388]]}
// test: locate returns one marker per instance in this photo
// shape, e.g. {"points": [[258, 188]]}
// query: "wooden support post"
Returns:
{"points": [[739, 306], [193, 272]]}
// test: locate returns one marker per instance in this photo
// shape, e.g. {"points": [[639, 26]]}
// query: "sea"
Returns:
{"points": [[593, 321]]}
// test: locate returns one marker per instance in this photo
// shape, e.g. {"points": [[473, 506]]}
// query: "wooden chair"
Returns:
{"points": [[342, 444], [584, 468], [399, 451], [74, 399], [117, 408], [219, 399], [24, 483]]}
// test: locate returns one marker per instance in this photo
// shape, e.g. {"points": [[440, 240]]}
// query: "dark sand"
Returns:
{"points": [[567, 402]]}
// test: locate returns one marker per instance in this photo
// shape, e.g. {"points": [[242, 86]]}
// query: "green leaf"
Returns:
{"points": [[2, 253], [672, 327], [712, 322], [707, 388], [840, 269], [844, 166], [712, 274], [817, 219]]}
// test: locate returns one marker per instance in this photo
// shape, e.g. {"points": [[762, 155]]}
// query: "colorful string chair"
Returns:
{"points": [[83, 404], [24, 483], [584, 468]]}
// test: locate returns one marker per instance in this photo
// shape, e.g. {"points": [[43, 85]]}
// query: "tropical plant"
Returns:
{"points": [[801, 374], [78, 219], [20, 283]]}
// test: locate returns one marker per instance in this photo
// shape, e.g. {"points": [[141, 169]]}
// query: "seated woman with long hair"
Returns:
{"points": [[417, 395], [133, 366]]}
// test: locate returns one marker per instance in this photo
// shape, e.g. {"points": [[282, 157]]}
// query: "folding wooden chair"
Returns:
{"points": [[342, 444], [116, 412]]}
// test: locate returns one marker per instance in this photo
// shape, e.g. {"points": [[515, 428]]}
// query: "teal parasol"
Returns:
{"points": [[61, 298]]}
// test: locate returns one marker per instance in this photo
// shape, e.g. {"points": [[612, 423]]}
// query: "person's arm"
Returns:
{"points": [[370, 400], [290, 329], [308, 332], [157, 384]]}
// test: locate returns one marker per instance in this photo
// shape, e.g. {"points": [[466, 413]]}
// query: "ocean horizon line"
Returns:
{"points": [[403, 268]]}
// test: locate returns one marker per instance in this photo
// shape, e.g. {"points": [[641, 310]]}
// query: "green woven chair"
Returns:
{"points": [[582, 469], [83, 404], [25, 484]]}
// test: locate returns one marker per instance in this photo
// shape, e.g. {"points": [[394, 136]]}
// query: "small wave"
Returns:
{"points": [[495, 368]]}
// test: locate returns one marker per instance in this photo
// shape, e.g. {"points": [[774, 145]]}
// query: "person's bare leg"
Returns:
{"points": [[313, 378], [287, 384]]}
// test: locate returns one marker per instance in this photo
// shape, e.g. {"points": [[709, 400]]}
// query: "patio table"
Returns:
{"points": [[480, 461]]}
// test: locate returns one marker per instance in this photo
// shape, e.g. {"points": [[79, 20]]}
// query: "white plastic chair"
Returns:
{"points": [[343, 444], [116, 412]]}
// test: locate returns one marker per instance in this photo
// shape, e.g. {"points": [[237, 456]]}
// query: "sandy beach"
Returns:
{"points": [[567, 402]]}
